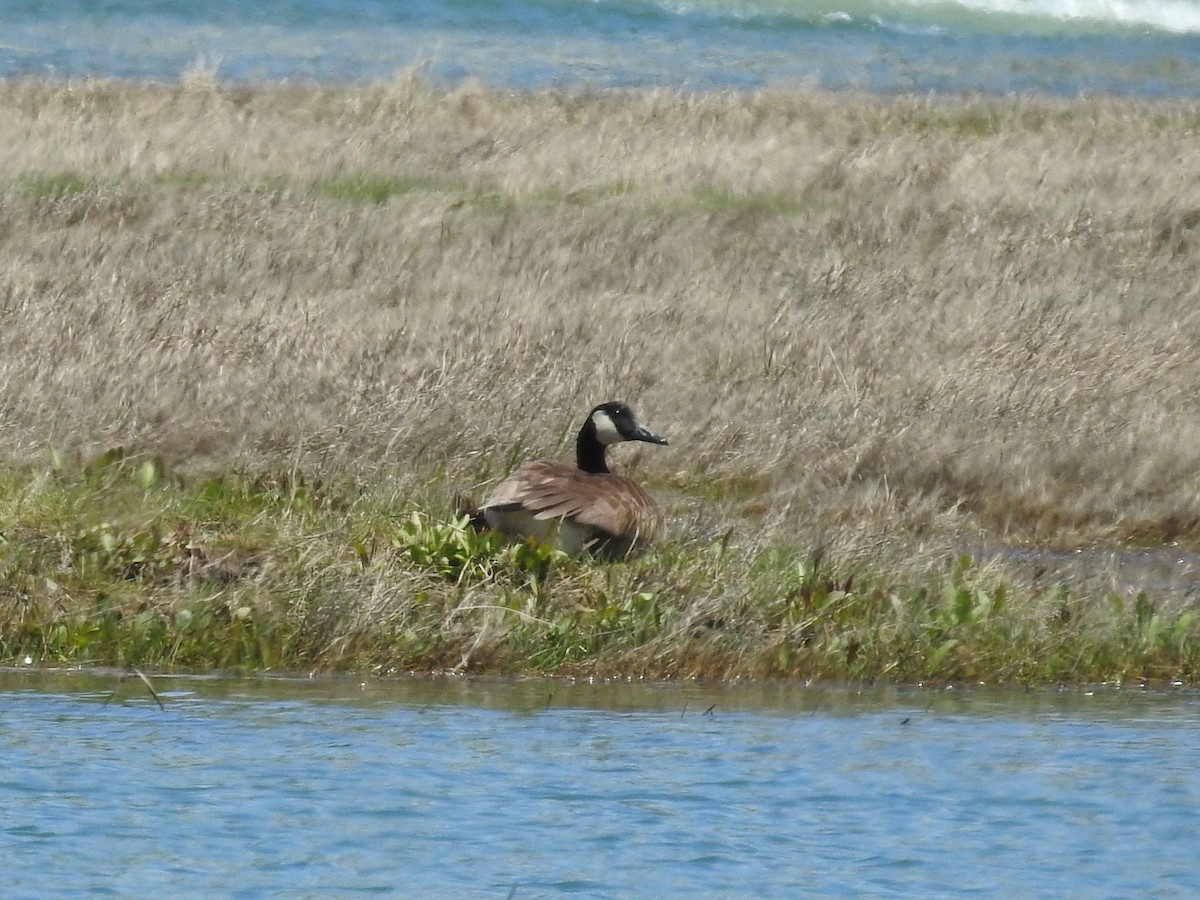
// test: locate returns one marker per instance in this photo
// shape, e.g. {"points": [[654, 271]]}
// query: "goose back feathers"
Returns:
{"points": [[585, 507]]}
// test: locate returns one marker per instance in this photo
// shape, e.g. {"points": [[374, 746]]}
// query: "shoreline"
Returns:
{"points": [[124, 565], [764, 693], [204, 77], [200, 75]]}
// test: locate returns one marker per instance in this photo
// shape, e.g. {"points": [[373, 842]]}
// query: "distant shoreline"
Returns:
{"points": [[202, 73], [1036, 48]]}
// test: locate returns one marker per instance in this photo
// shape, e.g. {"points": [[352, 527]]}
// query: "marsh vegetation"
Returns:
{"points": [[247, 333]]}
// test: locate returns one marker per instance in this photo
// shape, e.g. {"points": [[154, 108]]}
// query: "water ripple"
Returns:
{"points": [[276, 788]]}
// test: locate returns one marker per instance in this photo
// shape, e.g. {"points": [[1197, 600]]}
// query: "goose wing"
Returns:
{"points": [[609, 504]]}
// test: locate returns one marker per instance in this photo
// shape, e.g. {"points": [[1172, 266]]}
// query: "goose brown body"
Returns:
{"points": [[585, 507]]}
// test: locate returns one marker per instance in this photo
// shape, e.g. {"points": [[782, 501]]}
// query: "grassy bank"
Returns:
{"points": [[122, 563], [879, 333]]}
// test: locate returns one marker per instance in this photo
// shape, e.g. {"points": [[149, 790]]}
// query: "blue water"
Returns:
{"points": [[470, 789], [1140, 48]]}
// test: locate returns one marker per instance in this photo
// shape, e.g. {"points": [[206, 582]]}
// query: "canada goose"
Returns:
{"points": [[582, 508]]}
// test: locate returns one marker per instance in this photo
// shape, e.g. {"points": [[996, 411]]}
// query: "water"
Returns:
{"points": [[470, 789], [1140, 48], [1161, 572]]}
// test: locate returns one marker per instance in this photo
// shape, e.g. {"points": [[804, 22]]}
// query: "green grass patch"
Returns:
{"points": [[365, 189], [53, 186], [119, 562], [480, 197], [369, 189], [759, 203]]}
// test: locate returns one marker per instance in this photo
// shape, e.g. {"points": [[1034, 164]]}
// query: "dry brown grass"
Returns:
{"points": [[882, 323]]}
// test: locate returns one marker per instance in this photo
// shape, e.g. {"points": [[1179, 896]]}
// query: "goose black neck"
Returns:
{"points": [[589, 452]]}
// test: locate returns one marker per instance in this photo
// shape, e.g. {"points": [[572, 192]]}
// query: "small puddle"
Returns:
{"points": [[1168, 573]]}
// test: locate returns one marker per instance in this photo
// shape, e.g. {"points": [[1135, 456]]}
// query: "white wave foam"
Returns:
{"points": [[1179, 16], [1175, 16]]}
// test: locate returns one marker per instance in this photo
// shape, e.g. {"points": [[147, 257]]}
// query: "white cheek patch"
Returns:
{"points": [[606, 429]]}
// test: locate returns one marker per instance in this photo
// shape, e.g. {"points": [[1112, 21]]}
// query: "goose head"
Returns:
{"points": [[607, 424]]}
